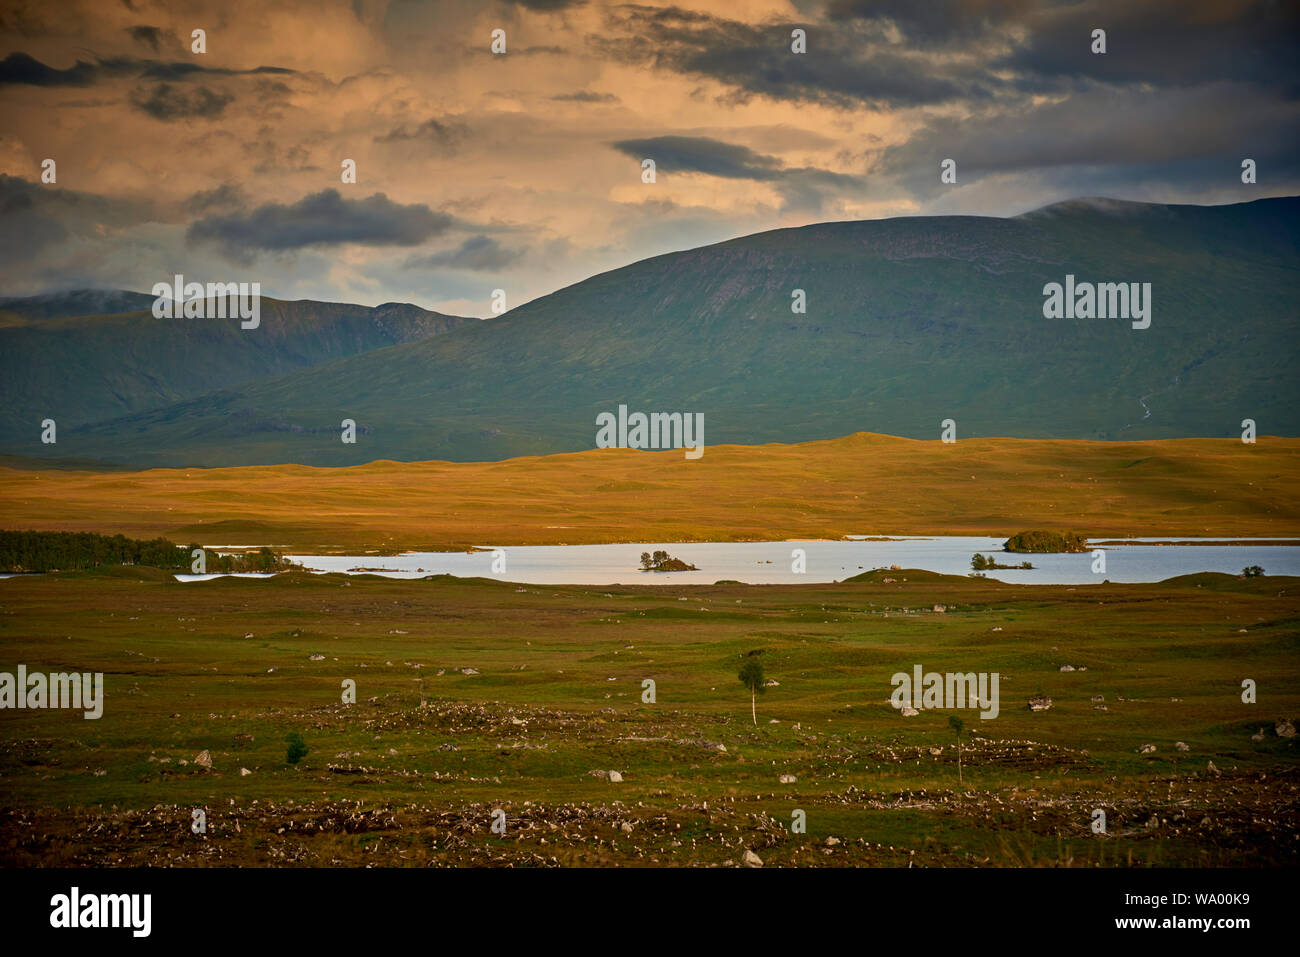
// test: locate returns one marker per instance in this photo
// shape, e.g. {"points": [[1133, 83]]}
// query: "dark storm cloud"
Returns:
{"points": [[932, 22], [167, 102], [546, 6], [847, 64], [180, 71], [1164, 43], [586, 96], [968, 51], [323, 219], [227, 196], [802, 189], [149, 36], [1109, 137], [19, 68], [700, 154], [477, 254], [35, 215]]}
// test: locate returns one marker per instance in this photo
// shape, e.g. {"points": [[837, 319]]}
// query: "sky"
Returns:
{"points": [[523, 171]]}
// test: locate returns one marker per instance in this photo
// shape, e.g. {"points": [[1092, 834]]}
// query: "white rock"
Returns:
{"points": [[1147, 749], [750, 859], [788, 779], [1181, 746], [1284, 729], [204, 759], [244, 772], [909, 712]]}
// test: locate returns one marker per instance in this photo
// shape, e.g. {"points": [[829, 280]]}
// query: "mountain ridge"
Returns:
{"points": [[910, 321]]}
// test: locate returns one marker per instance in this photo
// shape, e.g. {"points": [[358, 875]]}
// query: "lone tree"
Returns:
{"points": [[297, 748], [956, 724], [751, 676]]}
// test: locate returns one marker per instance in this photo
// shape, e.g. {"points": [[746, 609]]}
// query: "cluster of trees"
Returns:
{"points": [[77, 551], [1252, 571], [1046, 542], [982, 562], [661, 561]]}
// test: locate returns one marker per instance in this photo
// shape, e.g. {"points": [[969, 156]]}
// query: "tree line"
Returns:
{"points": [[32, 551]]}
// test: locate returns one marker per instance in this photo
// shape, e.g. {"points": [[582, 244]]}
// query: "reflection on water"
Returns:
{"points": [[771, 562]]}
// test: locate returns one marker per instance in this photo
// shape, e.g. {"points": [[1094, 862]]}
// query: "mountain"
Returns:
{"points": [[87, 368], [74, 302], [909, 322]]}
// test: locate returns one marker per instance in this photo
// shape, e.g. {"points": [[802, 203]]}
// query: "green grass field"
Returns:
{"points": [[410, 774]]}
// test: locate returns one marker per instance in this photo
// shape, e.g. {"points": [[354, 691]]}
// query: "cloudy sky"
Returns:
{"points": [[523, 171]]}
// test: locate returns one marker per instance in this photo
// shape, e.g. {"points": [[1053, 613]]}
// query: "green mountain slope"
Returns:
{"points": [[74, 302], [89, 368], [909, 322]]}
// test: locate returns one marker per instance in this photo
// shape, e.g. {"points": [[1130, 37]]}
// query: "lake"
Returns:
{"points": [[770, 562]]}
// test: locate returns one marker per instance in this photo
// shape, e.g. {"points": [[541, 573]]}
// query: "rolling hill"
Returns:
{"points": [[909, 321], [77, 369]]}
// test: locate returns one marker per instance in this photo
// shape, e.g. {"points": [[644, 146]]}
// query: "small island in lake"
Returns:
{"points": [[661, 561], [1046, 542], [984, 562]]}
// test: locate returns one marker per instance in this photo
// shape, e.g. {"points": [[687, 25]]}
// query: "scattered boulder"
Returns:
{"points": [[909, 712], [1067, 667], [469, 671], [1147, 749], [832, 841], [1040, 703], [1258, 735], [1098, 697], [1284, 729], [1209, 766], [204, 759], [750, 859], [1181, 746], [317, 657], [788, 779], [244, 772], [613, 776]]}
